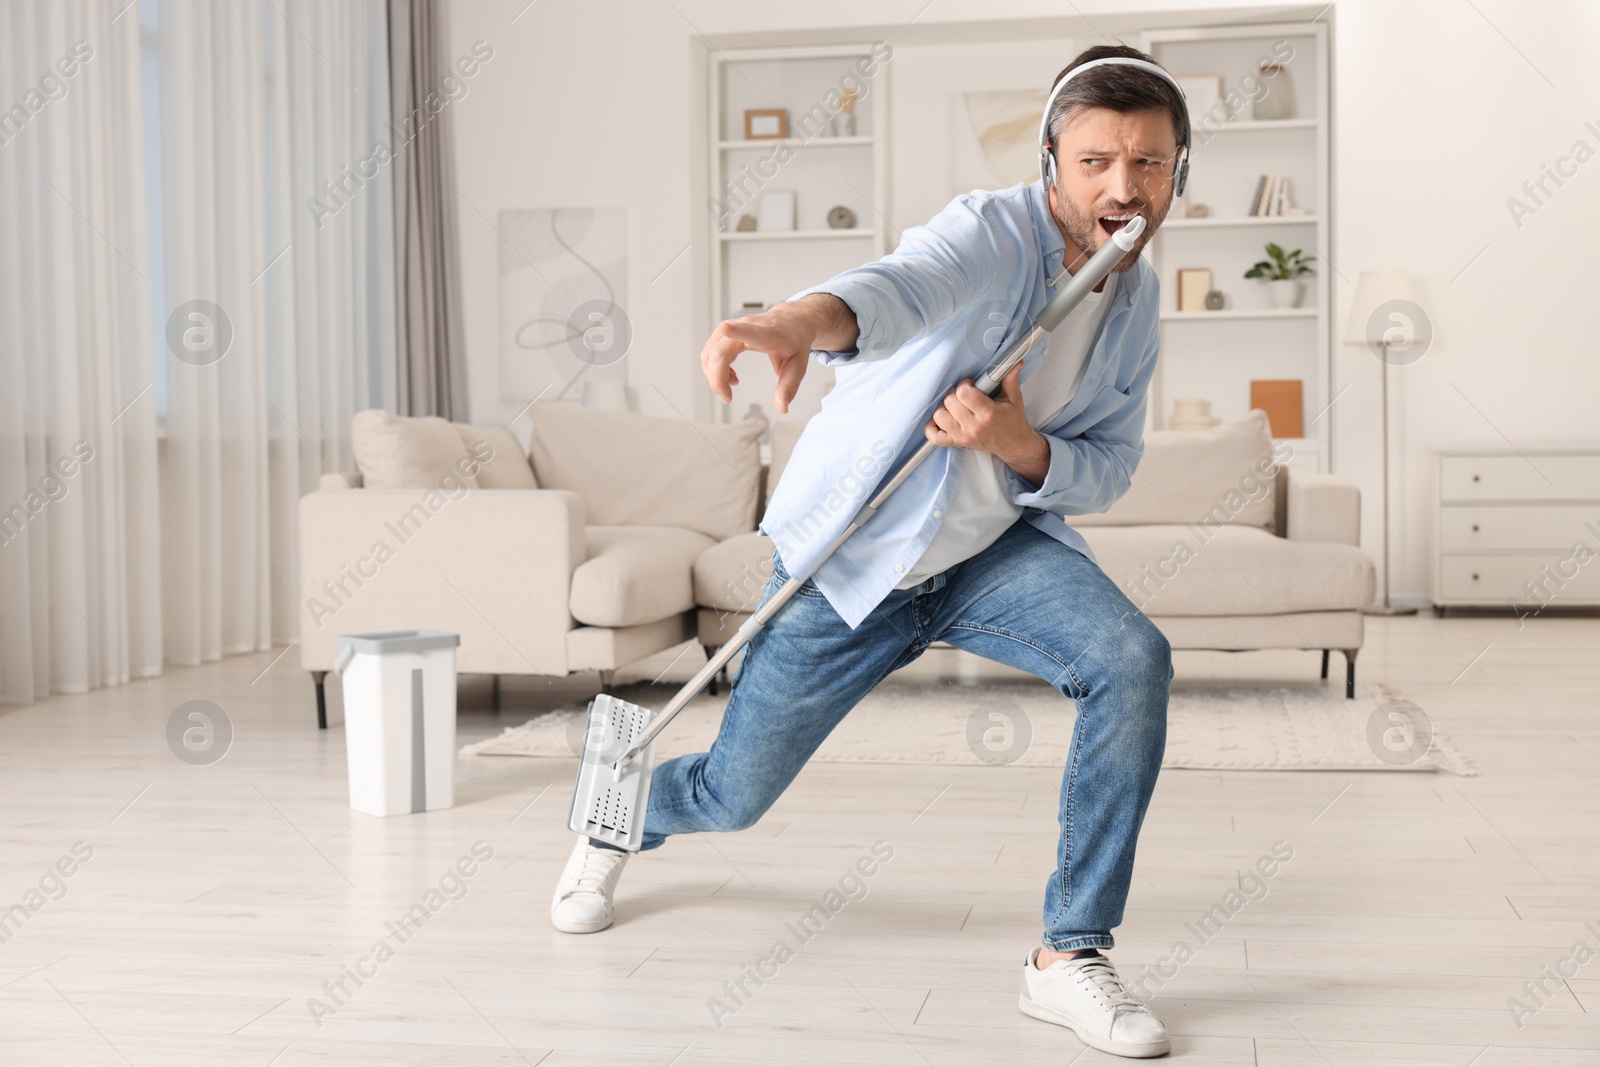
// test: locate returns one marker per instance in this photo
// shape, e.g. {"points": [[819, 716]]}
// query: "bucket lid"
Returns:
{"points": [[399, 641]]}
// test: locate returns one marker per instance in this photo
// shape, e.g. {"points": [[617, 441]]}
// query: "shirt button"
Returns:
{"points": [[938, 514], [900, 568]]}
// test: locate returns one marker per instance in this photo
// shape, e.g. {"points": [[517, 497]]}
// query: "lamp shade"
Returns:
{"points": [[1374, 289]]}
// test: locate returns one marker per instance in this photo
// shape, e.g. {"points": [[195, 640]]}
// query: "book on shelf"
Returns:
{"points": [[1264, 195], [1272, 196]]}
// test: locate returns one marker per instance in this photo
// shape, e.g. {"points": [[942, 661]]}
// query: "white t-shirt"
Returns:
{"points": [[981, 508]]}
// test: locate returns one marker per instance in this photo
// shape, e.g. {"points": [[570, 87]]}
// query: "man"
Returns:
{"points": [[972, 548]]}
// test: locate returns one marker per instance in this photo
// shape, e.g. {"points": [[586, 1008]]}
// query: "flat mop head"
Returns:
{"points": [[608, 806]]}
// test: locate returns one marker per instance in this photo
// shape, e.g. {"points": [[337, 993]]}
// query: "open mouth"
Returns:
{"points": [[1112, 223]]}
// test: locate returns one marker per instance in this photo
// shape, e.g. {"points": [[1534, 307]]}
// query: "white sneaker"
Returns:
{"points": [[1086, 994], [582, 903]]}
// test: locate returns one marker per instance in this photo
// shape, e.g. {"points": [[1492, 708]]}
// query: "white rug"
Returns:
{"points": [[1031, 726]]}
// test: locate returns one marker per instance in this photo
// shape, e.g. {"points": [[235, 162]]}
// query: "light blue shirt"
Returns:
{"points": [[944, 304]]}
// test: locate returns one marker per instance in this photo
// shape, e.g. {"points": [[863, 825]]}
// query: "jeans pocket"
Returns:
{"points": [[807, 588]]}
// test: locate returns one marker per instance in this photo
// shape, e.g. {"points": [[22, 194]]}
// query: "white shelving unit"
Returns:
{"points": [[1216, 354], [822, 172]]}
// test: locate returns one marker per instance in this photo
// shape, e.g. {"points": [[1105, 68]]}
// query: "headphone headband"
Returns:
{"points": [[1047, 163]]}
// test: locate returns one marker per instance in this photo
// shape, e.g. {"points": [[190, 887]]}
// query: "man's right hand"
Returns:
{"points": [[787, 334]]}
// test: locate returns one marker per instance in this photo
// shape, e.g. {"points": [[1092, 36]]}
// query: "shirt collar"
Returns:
{"points": [[1049, 237]]}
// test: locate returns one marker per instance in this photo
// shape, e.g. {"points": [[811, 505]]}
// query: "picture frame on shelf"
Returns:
{"points": [[766, 124], [1283, 401], [776, 211], [1193, 285], [1202, 92]]}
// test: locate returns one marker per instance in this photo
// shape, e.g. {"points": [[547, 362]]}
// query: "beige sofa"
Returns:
{"points": [[1216, 540], [621, 536]]}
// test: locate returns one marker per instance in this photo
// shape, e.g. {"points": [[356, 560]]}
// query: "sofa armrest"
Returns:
{"points": [[1323, 507], [493, 565]]}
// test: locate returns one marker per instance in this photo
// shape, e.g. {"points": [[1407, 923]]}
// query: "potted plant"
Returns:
{"points": [[1283, 271]]}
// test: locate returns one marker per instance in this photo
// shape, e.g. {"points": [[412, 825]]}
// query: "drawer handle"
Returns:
{"points": [[1474, 527], [1475, 478], [1474, 577]]}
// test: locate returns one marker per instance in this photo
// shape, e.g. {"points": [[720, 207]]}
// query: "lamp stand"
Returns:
{"points": [[1386, 608]]}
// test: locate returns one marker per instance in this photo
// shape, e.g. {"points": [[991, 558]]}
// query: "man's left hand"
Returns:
{"points": [[997, 425]]}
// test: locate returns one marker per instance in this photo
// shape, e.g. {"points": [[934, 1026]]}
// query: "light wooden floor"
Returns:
{"points": [[220, 898]]}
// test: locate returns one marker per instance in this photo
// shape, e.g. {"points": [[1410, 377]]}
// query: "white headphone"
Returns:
{"points": [[1047, 158]]}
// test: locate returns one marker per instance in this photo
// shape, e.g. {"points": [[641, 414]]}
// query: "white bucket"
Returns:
{"points": [[399, 719]]}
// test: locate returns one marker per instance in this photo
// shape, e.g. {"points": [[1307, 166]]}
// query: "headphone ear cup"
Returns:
{"points": [[1182, 178]]}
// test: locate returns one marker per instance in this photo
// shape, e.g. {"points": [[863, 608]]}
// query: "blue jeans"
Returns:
{"points": [[1027, 601]]}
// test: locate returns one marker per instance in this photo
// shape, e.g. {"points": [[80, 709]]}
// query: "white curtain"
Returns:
{"points": [[267, 225], [80, 603], [262, 103]]}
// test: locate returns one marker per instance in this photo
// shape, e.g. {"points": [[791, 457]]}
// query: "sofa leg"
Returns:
{"points": [[322, 699], [605, 681], [495, 697], [1350, 673], [711, 650], [1325, 664]]}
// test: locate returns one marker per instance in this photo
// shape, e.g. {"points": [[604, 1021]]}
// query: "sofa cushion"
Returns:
{"points": [[396, 452], [785, 435], [506, 465], [1230, 570], [635, 574], [634, 469], [1219, 476], [730, 575]]}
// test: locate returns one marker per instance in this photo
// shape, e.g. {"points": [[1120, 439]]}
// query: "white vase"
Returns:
{"points": [[1285, 292]]}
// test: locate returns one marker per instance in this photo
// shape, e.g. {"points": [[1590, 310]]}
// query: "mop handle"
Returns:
{"points": [[1051, 316]]}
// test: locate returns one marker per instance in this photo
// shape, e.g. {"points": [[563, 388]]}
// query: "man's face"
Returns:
{"points": [[1109, 166]]}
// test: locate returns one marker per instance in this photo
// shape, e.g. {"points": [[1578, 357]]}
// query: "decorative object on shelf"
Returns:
{"points": [[1192, 414], [1202, 92], [749, 307], [844, 123], [1381, 297], [1283, 272], [992, 142], [777, 210], [1278, 101], [841, 218], [1193, 285], [1215, 301], [766, 124], [746, 224], [1284, 403], [1198, 211]]}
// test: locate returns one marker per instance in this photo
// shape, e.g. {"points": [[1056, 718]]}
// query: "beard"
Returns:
{"points": [[1083, 227]]}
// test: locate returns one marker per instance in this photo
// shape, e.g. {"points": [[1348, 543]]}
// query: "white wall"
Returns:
{"points": [[1437, 120]]}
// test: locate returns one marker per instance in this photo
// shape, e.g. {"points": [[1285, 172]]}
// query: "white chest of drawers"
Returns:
{"points": [[1516, 529]]}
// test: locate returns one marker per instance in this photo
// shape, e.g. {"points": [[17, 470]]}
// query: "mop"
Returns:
{"points": [[618, 757]]}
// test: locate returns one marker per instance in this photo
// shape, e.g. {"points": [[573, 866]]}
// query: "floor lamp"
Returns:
{"points": [[1386, 320]]}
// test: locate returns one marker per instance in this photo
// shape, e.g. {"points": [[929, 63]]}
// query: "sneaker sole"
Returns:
{"points": [[579, 928], [1143, 1051]]}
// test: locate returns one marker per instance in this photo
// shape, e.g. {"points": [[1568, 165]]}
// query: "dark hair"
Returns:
{"points": [[1117, 88]]}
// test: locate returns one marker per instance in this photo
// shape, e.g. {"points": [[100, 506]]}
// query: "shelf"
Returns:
{"points": [[1262, 126], [1236, 220], [1234, 314], [796, 142], [795, 235]]}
